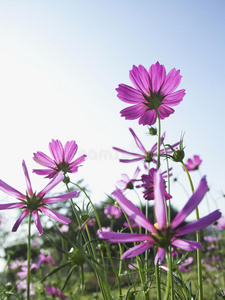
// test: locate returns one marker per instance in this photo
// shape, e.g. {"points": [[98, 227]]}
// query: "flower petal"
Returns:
{"points": [[11, 205], [70, 149], [159, 194], [49, 172], [137, 141], [148, 117], [20, 219], [4, 187], [136, 250], [160, 255], [121, 237], [133, 112], [128, 94], [54, 215], [192, 203], [56, 149], [29, 187], [56, 180], [174, 98], [199, 224], [157, 74], [133, 212], [60, 198], [44, 160], [140, 78], [37, 222], [186, 245], [76, 162], [173, 79]]}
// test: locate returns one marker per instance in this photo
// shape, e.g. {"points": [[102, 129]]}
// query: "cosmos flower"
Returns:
{"points": [[185, 265], [62, 159], [91, 222], [126, 182], [148, 185], [113, 212], [51, 290], [161, 234], [147, 155], [193, 164], [154, 90], [36, 203]]}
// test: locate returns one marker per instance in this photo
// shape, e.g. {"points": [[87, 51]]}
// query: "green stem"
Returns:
{"points": [[158, 166], [198, 238], [28, 256], [159, 140]]}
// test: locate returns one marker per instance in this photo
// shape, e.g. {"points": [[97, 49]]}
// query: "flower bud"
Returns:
{"points": [[152, 130]]}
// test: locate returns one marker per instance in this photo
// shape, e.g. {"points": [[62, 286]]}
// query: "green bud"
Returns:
{"points": [[152, 130], [178, 155], [77, 256], [66, 179], [84, 218]]}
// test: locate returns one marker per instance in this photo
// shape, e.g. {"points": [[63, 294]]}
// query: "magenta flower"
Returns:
{"points": [[51, 290], [35, 203], [161, 235], [154, 90], [193, 164], [62, 159], [113, 212], [91, 222], [147, 155], [148, 185], [185, 265], [126, 182]]}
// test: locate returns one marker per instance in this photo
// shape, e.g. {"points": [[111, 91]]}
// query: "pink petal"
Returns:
{"points": [[160, 255], [37, 222], [133, 112], [136, 250], [56, 149], [60, 198], [157, 74], [20, 219], [199, 224], [27, 178], [171, 82], [128, 94], [186, 245], [44, 160], [127, 152], [4, 187], [48, 172], [148, 117], [133, 212], [165, 111], [11, 205], [137, 141], [77, 161], [174, 98], [118, 237], [54, 215], [56, 180], [70, 149], [159, 194], [140, 79], [192, 203]]}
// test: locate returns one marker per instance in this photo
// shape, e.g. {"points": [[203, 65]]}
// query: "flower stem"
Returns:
{"points": [[198, 238], [28, 256]]}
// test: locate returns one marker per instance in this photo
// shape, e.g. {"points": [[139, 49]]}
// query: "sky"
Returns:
{"points": [[61, 61]]}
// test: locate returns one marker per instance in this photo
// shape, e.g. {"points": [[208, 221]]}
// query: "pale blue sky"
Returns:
{"points": [[60, 62]]}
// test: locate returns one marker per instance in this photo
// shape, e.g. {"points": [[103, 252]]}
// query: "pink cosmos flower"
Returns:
{"points": [[220, 224], [147, 155], [161, 235], [107, 229], [193, 164], [62, 159], [154, 90], [113, 212], [51, 290], [148, 185], [34, 203], [126, 182], [185, 265], [47, 259], [91, 222]]}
